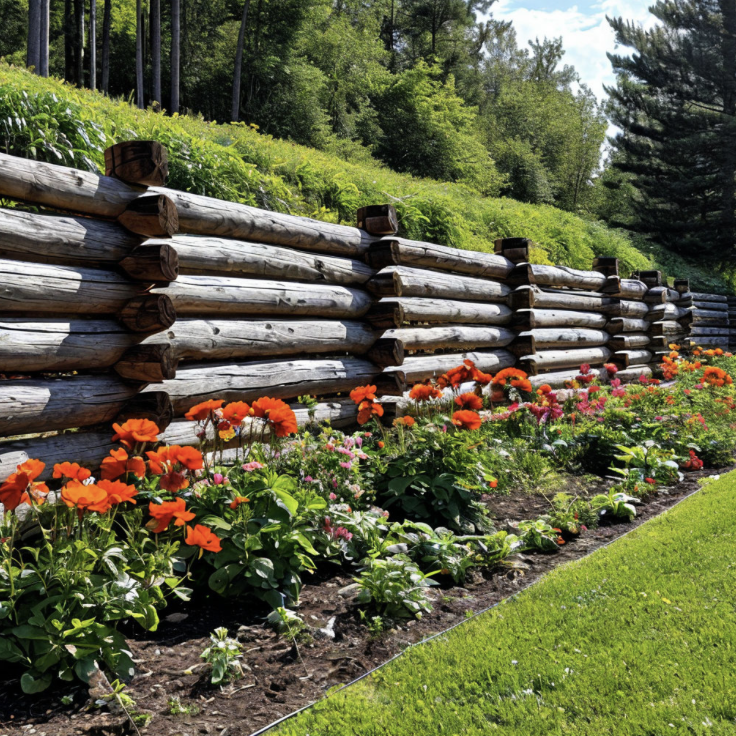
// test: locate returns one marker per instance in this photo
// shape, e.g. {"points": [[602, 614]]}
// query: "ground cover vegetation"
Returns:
{"points": [[629, 640], [400, 507]]}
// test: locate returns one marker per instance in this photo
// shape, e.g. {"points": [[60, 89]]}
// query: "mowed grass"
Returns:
{"points": [[638, 638]]}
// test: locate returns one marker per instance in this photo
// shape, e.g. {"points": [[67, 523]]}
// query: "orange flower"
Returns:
{"points": [[363, 393], [544, 389], [117, 491], [166, 512], [19, 486], [238, 500], [424, 392], [162, 459], [522, 384], [190, 457], [201, 536], [173, 481], [367, 409], [12, 490], [171, 463], [278, 414], [482, 379], [381, 444], [134, 431], [716, 376], [455, 376], [235, 412], [85, 497], [200, 412], [404, 421], [32, 468], [516, 377], [72, 471], [469, 401], [118, 463], [466, 420]]}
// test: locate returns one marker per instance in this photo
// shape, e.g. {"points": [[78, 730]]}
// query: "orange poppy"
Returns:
{"points": [[32, 468], [235, 412], [202, 411], [117, 491], [264, 406], [455, 376], [134, 431], [469, 401], [166, 512], [283, 421], [367, 409], [544, 389], [482, 379], [363, 393], [19, 486], [72, 471], [173, 481], [509, 374], [119, 463], [466, 420], [190, 458], [12, 490], [424, 392], [201, 536], [522, 384], [404, 421], [238, 500], [85, 497]]}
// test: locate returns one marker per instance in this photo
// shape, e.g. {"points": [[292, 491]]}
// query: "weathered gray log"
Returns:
{"points": [[386, 352], [401, 252], [700, 297], [529, 319], [620, 325], [660, 295], [276, 378], [717, 306], [73, 190], [403, 281], [459, 337], [378, 219], [626, 289], [669, 328], [558, 380], [420, 367], [667, 311], [556, 359], [532, 297], [39, 405], [528, 274], [630, 358], [145, 163], [719, 341], [629, 309], [151, 215], [90, 448], [147, 314], [565, 337], [698, 331], [222, 295], [628, 342], [147, 364], [394, 312], [28, 345]]}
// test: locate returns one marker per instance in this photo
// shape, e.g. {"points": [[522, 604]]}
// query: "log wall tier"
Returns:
{"points": [[420, 367], [395, 312], [533, 297], [456, 337], [529, 319], [557, 359], [526, 274]]}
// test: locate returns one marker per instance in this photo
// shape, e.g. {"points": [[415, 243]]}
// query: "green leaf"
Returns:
{"points": [[35, 684]]}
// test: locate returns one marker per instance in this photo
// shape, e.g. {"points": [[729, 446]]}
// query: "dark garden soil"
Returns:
{"points": [[278, 678]]}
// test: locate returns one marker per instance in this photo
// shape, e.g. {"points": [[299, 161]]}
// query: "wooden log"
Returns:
{"points": [[145, 163], [515, 249], [652, 279], [682, 285], [700, 297], [706, 318], [403, 281], [607, 265], [628, 342], [147, 364], [28, 345], [558, 380], [668, 328], [698, 331], [378, 219], [630, 358], [152, 215], [154, 263], [221, 295], [720, 341], [529, 274], [565, 337], [626, 289], [717, 306], [517, 255], [459, 337], [532, 297], [620, 325], [660, 295], [629, 309], [420, 367], [73, 190], [150, 313], [529, 319], [666, 311], [393, 312], [386, 351], [154, 405], [39, 405], [401, 252], [557, 359], [276, 378]]}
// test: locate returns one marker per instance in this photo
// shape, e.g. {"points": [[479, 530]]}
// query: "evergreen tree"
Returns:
{"points": [[675, 102]]}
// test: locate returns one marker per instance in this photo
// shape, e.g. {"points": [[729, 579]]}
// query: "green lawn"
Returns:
{"points": [[639, 638]]}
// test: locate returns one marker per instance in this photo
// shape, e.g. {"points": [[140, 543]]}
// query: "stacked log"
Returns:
{"points": [[732, 323], [709, 320]]}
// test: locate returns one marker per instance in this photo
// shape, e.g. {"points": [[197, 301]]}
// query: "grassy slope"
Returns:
{"points": [[639, 638], [236, 162]]}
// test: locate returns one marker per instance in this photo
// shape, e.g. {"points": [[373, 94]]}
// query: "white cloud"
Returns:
{"points": [[585, 32]]}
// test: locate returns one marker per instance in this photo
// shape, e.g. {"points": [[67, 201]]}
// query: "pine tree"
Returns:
{"points": [[675, 102]]}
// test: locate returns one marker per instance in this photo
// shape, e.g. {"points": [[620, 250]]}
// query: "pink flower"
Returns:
{"points": [[584, 369], [333, 497], [659, 419], [347, 465], [250, 467], [359, 442], [643, 379], [308, 479], [219, 479], [444, 428]]}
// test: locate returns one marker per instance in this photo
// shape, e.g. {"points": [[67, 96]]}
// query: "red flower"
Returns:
{"points": [[363, 393], [117, 491], [470, 401], [235, 412], [134, 431], [85, 497], [368, 409], [166, 512], [466, 420], [279, 415], [651, 481], [118, 463], [72, 471], [424, 392], [201, 536], [201, 412]]}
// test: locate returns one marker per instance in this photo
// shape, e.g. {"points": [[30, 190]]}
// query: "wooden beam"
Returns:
{"points": [[630, 358], [548, 360], [147, 364], [620, 325], [420, 367], [151, 215], [529, 319], [700, 297], [628, 342], [528, 274], [552, 338], [532, 297], [386, 351], [145, 163], [669, 328], [394, 312], [607, 265], [457, 337], [626, 289], [666, 311], [378, 219], [150, 313]]}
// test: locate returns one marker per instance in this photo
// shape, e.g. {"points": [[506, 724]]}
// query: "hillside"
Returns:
{"points": [[49, 120]]}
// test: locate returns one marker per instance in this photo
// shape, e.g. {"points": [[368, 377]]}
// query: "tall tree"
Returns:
{"points": [[675, 102], [45, 22], [33, 51], [93, 44], [237, 75], [69, 46], [106, 27], [175, 54], [156, 51], [139, 99], [79, 40]]}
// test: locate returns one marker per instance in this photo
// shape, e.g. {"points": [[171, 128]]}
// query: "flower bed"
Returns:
{"points": [[399, 510]]}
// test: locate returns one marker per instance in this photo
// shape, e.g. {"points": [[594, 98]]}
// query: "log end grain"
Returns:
{"points": [[145, 163], [152, 215], [150, 313], [147, 364], [378, 219], [386, 352], [157, 263], [153, 405]]}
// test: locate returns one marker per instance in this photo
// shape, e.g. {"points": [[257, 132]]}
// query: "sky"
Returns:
{"points": [[585, 32]]}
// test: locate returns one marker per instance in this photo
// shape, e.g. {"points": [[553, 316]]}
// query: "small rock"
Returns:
{"points": [[176, 618], [248, 633], [349, 591], [328, 631]]}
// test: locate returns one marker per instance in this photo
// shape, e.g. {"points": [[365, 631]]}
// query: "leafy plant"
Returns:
{"points": [[615, 505], [223, 654], [539, 535]]}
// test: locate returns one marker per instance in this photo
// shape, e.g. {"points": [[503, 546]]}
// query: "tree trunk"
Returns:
{"points": [[45, 21], [237, 75], [139, 99], [79, 40], [69, 46], [33, 48], [156, 51], [175, 54], [93, 44], [727, 225], [106, 25]]}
